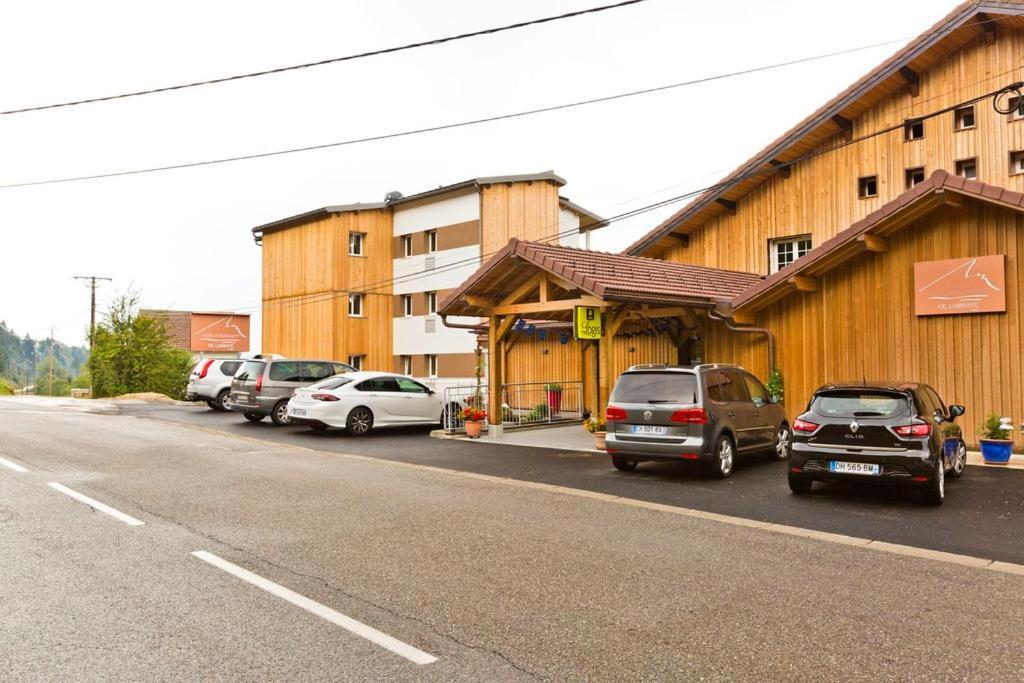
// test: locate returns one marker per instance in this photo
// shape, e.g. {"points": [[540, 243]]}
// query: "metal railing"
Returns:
{"points": [[535, 403], [456, 399]]}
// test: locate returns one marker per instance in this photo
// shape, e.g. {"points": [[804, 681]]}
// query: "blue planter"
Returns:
{"points": [[996, 451]]}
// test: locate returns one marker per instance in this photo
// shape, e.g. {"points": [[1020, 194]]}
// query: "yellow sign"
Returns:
{"points": [[586, 322]]}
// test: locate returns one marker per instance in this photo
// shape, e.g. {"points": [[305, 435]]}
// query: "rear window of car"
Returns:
{"points": [[860, 403], [250, 370], [656, 387], [332, 383], [285, 371], [230, 367]]}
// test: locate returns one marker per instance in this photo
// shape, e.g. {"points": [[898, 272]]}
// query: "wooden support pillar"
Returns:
{"points": [[612, 322], [498, 330]]}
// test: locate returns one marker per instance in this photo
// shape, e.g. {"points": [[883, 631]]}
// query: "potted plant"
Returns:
{"points": [[995, 446], [595, 427], [474, 418], [775, 386], [554, 392]]}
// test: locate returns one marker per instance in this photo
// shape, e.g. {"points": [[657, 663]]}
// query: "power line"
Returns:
{"points": [[333, 60]]}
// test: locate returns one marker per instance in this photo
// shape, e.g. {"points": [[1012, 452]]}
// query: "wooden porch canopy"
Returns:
{"points": [[542, 281]]}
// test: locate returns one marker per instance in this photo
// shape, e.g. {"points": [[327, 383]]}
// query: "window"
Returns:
{"points": [[967, 168], [431, 302], [229, 368], [913, 129], [355, 305], [251, 369], [1016, 163], [355, 243], [788, 249], [341, 368], [431, 365], [963, 118], [651, 387], [406, 305], [406, 365], [432, 241], [409, 386], [406, 245], [726, 386], [285, 371], [314, 371], [332, 383], [913, 176], [378, 384], [356, 361], [867, 186], [860, 403], [1017, 106], [758, 394]]}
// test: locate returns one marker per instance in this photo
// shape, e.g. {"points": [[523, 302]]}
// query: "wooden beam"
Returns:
{"points": [[614, 320], [729, 205], [682, 239], [544, 287], [845, 125], [503, 327], [802, 283], [561, 282], [913, 80], [520, 291], [949, 198], [873, 243], [783, 168], [667, 312], [479, 301], [495, 369], [690, 319], [549, 306], [744, 317]]}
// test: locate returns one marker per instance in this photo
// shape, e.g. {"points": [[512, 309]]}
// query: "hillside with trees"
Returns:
{"points": [[25, 361]]}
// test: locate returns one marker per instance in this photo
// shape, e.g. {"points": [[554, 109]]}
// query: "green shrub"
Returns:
{"points": [[991, 429]]}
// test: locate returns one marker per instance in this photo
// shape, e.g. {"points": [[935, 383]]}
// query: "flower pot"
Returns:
{"points": [[996, 451], [473, 428], [599, 440], [555, 401]]}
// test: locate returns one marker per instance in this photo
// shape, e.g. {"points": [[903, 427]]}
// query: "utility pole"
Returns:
{"points": [[93, 279], [50, 392]]}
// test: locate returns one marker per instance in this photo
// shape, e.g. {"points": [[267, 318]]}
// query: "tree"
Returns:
{"points": [[132, 354]]}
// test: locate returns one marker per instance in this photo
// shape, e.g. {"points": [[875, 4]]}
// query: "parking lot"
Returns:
{"points": [[983, 515]]}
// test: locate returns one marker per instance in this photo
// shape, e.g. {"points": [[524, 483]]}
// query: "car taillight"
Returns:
{"points": [[614, 413], [259, 383], [804, 426], [915, 430], [206, 368], [324, 397], [693, 416]]}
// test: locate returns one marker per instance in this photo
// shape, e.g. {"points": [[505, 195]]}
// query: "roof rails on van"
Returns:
{"points": [[260, 356]]}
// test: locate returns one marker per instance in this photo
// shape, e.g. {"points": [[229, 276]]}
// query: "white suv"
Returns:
{"points": [[210, 381]]}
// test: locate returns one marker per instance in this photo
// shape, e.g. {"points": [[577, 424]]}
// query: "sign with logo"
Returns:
{"points": [[965, 285], [586, 322], [219, 332]]}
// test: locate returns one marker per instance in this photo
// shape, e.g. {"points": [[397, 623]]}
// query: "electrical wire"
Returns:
{"points": [[323, 62]]}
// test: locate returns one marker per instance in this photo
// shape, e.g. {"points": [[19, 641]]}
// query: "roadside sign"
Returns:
{"points": [[586, 322]]}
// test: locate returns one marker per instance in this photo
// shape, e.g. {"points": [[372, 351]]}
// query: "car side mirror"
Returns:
{"points": [[956, 411]]}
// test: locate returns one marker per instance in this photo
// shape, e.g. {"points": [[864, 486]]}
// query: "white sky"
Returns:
{"points": [[182, 237]]}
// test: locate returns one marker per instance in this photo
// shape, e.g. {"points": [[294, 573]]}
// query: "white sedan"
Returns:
{"points": [[360, 401]]}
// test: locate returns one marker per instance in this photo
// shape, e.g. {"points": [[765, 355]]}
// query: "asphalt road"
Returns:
{"points": [[497, 581], [983, 515]]}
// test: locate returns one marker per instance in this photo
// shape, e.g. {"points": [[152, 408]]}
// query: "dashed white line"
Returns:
{"points": [[13, 465], [96, 505], [358, 628]]}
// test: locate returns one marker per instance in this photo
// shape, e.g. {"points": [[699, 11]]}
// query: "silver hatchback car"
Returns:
{"points": [[709, 413], [263, 387]]}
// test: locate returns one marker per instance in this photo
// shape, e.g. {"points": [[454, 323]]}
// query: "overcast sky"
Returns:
{"points": [[182, 237]]}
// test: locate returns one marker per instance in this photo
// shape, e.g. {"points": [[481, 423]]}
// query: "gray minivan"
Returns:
{"points": [[708, 413], [262, 387]]}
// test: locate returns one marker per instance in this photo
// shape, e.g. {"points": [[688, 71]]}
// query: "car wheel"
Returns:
{"points": [[253, 417], [624, 465], [799, 485], [782, 443], [360, 421], [212, 404], [220, 403], [959, 465], [279, 415], [725, 457], [935, 490]]}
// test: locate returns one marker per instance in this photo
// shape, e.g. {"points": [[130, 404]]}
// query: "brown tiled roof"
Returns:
{"points": [[613, 277], [973, 16], [914, 203], [178, 325]]}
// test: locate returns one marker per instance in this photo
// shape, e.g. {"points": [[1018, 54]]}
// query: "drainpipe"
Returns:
{"points": [[460, 326], [755, 330]]}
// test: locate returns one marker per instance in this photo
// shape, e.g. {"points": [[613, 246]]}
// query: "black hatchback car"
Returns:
{"points": [[876, 432]]}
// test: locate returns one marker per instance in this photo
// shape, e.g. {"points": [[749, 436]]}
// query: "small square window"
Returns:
{"points": [[963, 118], [867, 186], [967, 168], [1016, 163], [355, 305], [407, 365], [431, 365], [786, 250], [356, 361], [431, 302], [914, 176], [406, 245], [1016, 104], [432, 241], [406, 306], [355, 243], [913, 129]]}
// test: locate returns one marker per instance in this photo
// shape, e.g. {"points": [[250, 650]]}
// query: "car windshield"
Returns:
{"points": [[249, 370], [860, 403], [331, 383], [656, 387]]}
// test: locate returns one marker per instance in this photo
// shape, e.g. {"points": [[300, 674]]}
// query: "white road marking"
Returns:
{"points": [[358, 628], [96, 505], [13, 465]]}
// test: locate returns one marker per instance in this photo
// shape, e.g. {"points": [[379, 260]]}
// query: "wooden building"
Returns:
{"points": [[840, 221]]}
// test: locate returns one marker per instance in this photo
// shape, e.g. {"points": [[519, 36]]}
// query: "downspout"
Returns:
{"points": [[713, 314], [460, 326]]}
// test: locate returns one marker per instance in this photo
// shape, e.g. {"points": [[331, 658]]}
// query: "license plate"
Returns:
{"points": [[648, 429], [854, 468], [298, 412]]}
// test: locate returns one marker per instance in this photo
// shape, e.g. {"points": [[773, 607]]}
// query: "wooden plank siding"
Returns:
{"points": [[527, 210]]}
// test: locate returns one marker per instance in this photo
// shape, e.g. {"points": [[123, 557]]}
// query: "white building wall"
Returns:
{"points": [[568, 221], [450, 269], [412, 336], [436, 214]]}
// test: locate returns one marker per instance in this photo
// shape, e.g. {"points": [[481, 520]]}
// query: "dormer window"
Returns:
{"points": [[785, 250], [867, 187], [913, 129], [963, 118]]}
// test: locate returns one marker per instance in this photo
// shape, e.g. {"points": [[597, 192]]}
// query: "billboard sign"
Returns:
{"points": [[219, 332], [957, 286]]}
